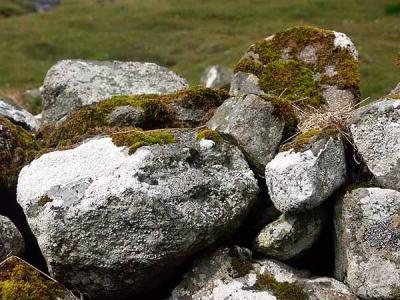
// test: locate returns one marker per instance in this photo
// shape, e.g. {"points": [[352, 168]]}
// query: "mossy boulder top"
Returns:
{"points": [[128, 217], [304, 64], [74, 83]]}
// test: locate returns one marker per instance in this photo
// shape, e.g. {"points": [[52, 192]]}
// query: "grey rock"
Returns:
{"points": [[231, 274], [115, 224], [216, 77], [125, 116], [74, 83], [337, 98], [367, 225], [376, 133], [245, 83], [290, 235], [250, 121], [11, 241], [299, 181], [18, 115]]}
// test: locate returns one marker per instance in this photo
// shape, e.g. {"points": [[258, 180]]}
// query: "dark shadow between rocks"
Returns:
{"points": [[10, 208]]}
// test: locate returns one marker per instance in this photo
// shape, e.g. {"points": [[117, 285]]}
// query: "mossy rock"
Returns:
{"points": [[209, 134], [281, 290], [159, 111], [18, 147], [299, 63], [18, 280]]}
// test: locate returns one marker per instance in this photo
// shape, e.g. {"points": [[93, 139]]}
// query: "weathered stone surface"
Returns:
{"points": [[376, 134], [11, 241], [73, 83], [288, 236], [125, 116], [217, 77], [123, 223], [307, 64], [251, 122], [18, 115], [245, 83], [231, 274], [367, 224], [299, 181]]}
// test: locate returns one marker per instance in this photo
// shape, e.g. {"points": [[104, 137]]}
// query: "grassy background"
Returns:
{"points": [[188, 35]]}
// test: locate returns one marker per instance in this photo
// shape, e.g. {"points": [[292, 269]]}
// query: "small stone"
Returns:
{"points": [[217, 77], [245, 83], [125, 116]]}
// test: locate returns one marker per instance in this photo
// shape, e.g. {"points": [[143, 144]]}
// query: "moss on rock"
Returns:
{"points": [[281, 290], [209, 134], [136, 138], [297, 60], [18, 281], [18, 147]]}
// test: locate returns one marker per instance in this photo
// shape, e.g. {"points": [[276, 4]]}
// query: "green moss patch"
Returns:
{"points": [[281, 290], [303, 141], [18, 147], [137, 139], [281, 70], [20, 281], [209, 134]]}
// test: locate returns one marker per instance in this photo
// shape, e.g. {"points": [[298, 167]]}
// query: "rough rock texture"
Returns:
{"points": [[11, 241], [367, 224], [288, 236], [231, 274], [18, 115], [217, 77], [123, 223], [245, 83], [306, 64], [376, 134], [125, 116], [73, 83], [302, 180], [251, 122]]}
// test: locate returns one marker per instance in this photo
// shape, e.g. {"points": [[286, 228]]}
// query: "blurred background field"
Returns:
{"points": [[187, 35]]}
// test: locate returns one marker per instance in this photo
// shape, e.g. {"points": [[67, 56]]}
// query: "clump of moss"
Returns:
{"points": [[137, 139], [303, 141], [241, 266], [394, 96], [18, 147], [209, 134], [281, 290], [301, 78], [44, 200], [291, 79], [20, 281]]}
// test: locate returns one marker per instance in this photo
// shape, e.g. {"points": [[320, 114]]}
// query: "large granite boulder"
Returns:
{"points": [[217, 77], [301, 179], [290, 235], [232, 274], [17, 148], [18, 115], [251, 121], [112, 222], [11, 241], [74, 83], [367, 224], [305, 64], [376, 134]]}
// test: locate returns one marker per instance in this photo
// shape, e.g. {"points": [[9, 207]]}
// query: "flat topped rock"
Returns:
{"points": [[73, 83]]}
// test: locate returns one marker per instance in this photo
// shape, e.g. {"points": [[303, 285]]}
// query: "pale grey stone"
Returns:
{"points": [[290, 235], [245, 83], [376, 134], [216, 77], [117, 224], [337, 98], [11, 241], [299, 181], [125, 116], [250, 121], [18, 115], [232, 274], [367, 225], [74, 83]]}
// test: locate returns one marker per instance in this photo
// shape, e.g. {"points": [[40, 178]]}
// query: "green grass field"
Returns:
{"points": [[188, 35]]}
